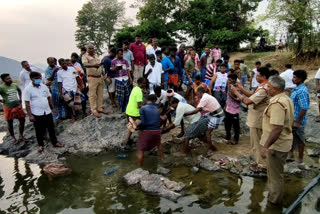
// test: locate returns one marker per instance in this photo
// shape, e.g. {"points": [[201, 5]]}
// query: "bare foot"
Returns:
{"points": [[103, 111], [58, 145], [15, 141], [41, 148], [96, 114]]}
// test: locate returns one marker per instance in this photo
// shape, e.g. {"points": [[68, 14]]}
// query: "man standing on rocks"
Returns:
{"points": [[12, 108], [277, 137], [40, 107], [301, 102], [257, 102], [24, 77], [95, 81], [150, 134], [140, 58]]}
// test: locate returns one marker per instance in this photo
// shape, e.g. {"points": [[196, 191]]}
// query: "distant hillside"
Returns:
{"points": [[13, 67]]}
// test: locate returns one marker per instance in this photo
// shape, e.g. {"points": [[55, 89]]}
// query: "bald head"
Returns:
{"points": [[90, 49], [51, 62]]}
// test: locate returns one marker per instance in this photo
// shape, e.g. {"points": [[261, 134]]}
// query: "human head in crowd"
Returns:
{"points": [[288, 66], [125, 45], [276, 85], [268, 65], [120, 53], [223, 68], [258, 64], [232, 77], [25, 65], [159, 55], [149, 42], [68, 62], [157, 91], [173, 51], [241, 61], [263, 74], [299, 76], [74, 57], [138, 39], [174, 103], [83, 50], [219, 62], [217, 45], [113, 52], [51, 62], [90, 49], [226, 59], [197, 80], [182, 47], [200, 92], [142, 82], [6, 79], [152, 59], [111, 46], [151, 98], [170, 93], [236, 64], [193, 55], [207, 51], [63, 64], [190, 48], [155, 42], [35, 78], [165, 51], [273, 72]]}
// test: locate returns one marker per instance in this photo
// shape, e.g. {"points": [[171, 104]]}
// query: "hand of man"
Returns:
{"points": [[150, 70], [264, 153], [233, 89], [31, 118], [296, 124], [239, 86], [130, 80], [105, 76], [55, 69], [97, 65], [54, 111]]}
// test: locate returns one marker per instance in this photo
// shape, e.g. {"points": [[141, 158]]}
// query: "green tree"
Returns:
{"points": [[97, 21]]}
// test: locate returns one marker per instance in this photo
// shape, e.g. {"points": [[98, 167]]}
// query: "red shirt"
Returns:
{"points": [[139, 53]]}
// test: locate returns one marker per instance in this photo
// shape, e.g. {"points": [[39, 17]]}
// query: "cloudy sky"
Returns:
{"points": [[35, 29]]}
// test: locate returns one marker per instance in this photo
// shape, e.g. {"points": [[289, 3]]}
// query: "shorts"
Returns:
{"points": [[13, 113], [298, 136], [112, 86]]}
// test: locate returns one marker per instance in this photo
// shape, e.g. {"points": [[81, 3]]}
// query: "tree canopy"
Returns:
{"points": [[96, 22]]}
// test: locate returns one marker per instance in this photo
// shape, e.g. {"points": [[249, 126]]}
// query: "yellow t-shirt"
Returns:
{"points": [[136, 96]]}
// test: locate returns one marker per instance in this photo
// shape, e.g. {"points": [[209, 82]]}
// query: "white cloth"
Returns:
{"points": [[182, 108], [254, 79], [155, 76], [288, 76], [318, 74], [68, 79], [176, 95], [24, 77], [221, 81], [162, 98], [153, 51], [38, 98]]}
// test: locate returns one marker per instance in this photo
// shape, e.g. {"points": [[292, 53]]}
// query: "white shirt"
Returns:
{"points": [[183, 108], [287, 76], [24, 78], [38, 98], [318, 74], [155, 76], [254, 79], [68, 79], [162, 98], [153, 51], [176, 95]]}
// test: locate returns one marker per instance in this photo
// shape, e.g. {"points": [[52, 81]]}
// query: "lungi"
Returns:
{"points": [[72, 99], [197, 129], [148, 139], [13, 113]]}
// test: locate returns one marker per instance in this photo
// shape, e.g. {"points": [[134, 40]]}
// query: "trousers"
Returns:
{"points": [[96, 86], [255, 137], [232, 120], [275, 165], [42, 124]]}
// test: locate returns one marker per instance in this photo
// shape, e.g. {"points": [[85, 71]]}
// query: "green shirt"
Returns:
{"points": [[136, 96], [191, 66], [10, 95]]}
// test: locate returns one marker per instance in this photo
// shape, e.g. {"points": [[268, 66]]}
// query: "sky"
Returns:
{"points": [[35, 29]]}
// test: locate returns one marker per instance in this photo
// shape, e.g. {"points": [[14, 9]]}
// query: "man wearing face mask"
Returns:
{"points": [[11, 95], [39, 108]]}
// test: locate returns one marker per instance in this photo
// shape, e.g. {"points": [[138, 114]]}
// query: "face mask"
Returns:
{"points": [[37, 81]]}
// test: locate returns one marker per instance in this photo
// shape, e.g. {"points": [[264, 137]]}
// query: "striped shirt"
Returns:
{"points": [[301, 101]]}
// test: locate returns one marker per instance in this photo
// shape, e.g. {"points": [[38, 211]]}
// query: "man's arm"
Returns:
{"points": [[273, 137], [60, 89], [51, 77], [214, 78], [28, 108], [317, 85], [245, 100], [252, 76], [193, 112], [20, 95], [52, 106], [86, 63]]}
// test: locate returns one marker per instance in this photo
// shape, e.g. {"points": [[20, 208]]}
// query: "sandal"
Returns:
{"points": [[58, 145]]}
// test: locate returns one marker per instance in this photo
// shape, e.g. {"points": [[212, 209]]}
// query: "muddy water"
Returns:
{"points": [[25, 189]]}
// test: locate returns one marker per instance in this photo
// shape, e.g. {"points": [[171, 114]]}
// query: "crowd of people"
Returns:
{"points": [[139, 74]]}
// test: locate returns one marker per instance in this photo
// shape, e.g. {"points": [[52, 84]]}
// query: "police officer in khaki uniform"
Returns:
{"points": [[95, 81], [277, 136], [257, 102]]}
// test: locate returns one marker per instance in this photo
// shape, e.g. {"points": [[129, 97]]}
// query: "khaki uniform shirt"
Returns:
{"points": [[86, 58], [280, 112], [255, 112]]}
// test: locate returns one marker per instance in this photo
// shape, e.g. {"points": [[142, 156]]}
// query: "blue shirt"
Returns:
{"points": [[54, 86], [166, 63], [107, 66], [177, 65], [301, 101], [150, 117]]}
